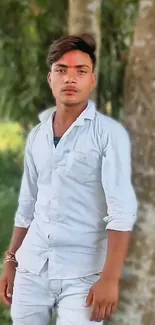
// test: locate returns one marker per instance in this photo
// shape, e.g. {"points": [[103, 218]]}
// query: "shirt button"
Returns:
{"points": [[55, 166], [54, 196], [53, 222]]}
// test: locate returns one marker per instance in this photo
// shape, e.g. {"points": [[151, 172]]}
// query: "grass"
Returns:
{"points": [[11, 137]]}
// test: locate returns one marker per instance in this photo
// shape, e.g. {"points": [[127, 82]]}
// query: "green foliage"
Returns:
{"points": [[27, 28], [4, 315], [11, 166], [12, 141], [117, 24]]}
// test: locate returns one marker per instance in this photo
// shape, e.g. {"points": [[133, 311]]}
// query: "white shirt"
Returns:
{"points": [[70, 195]]}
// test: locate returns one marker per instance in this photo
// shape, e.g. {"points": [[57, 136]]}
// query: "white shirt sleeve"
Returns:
{"points": [[28, 191], [116, 179]]}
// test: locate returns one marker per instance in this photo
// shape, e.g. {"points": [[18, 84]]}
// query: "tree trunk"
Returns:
{"points": [[137, 303], [84, 17]]}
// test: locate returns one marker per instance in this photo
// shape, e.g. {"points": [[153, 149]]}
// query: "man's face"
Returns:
{"points": [[72, 78]]}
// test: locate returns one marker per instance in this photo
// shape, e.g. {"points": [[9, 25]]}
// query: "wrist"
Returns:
{"points": [[10, 257], [10, 265], [109, 276]]}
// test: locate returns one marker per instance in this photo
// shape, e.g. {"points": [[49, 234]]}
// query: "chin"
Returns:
{"points": [[70, 102]]}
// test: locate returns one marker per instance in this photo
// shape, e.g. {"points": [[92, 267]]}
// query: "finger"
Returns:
{"points": [[101, 314], [89, 299], [94, 311], [108, 311], [4, 298], [113, 308], [9, 290]]}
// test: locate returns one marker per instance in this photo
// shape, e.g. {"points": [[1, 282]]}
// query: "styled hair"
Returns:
{"points": [[62, 45]]}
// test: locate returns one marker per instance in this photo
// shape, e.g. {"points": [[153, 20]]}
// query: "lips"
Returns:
{"points": [[70, 90]]}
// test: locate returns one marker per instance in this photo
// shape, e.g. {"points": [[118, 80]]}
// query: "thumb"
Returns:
{"points": [[9, 290], [89, 299]]}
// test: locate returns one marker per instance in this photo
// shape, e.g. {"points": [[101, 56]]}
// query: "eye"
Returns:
{"points": [[82, 72], [61, 70]]}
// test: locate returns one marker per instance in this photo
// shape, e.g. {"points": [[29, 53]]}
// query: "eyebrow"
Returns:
{"points": [[75, 66]]}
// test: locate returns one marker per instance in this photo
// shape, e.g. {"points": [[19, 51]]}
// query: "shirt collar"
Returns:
{"points": [[45, 115], [88, 113]]}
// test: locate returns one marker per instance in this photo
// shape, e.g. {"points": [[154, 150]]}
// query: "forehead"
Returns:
{"points": [[74, 58]]}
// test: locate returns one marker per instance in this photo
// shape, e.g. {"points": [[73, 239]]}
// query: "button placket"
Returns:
{"points": [[54, 203], [54, 190], [53, 223]]}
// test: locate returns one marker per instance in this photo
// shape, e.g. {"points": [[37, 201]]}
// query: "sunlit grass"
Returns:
{"points": [[11, 137]]}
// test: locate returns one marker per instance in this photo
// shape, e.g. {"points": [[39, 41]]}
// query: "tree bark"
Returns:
{"points": [[137, 303], [84, 17]]}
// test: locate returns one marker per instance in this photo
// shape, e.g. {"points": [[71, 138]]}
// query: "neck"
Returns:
{"points": [[66, 113]]}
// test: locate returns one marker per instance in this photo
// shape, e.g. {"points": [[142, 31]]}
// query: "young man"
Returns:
{"points": [[76, 207]]}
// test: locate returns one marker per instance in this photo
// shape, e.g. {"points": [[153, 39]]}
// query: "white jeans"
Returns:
{"points": [[34, 297]]}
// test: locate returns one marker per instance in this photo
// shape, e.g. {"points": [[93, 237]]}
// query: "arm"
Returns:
{"points": [[18, 236], [28, 191], [121, 201], [121, 208], [9, 269], [118, 243], [27, 199]]}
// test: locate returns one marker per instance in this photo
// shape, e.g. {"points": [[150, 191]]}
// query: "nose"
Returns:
{"points": [[70, 76]]}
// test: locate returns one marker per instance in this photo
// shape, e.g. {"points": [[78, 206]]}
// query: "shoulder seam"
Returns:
{"points": [[33, 134]]}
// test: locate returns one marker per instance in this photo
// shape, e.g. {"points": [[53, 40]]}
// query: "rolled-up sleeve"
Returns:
{"points": [[28, 191], [116, 180]]}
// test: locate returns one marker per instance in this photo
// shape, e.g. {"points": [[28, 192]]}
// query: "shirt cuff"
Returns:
{"points": [[125, 223], [21, 221]]}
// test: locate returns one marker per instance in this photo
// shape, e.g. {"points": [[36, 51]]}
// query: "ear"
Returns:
{"points": [[49, 79]]}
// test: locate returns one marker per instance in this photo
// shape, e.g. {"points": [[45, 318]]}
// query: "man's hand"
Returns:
{"points": [[6, 283], [103, 296]]}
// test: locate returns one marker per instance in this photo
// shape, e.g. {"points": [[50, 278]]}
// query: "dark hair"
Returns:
{"points": [[62, 45]]}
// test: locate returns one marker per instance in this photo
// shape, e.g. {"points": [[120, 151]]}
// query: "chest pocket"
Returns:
{"points": [[84, 167]]}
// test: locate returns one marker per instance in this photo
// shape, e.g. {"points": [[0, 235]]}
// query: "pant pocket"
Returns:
{"points": [[90, 279]]}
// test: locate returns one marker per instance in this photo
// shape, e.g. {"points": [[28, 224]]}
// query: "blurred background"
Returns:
{"points": [[125, 34]]}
